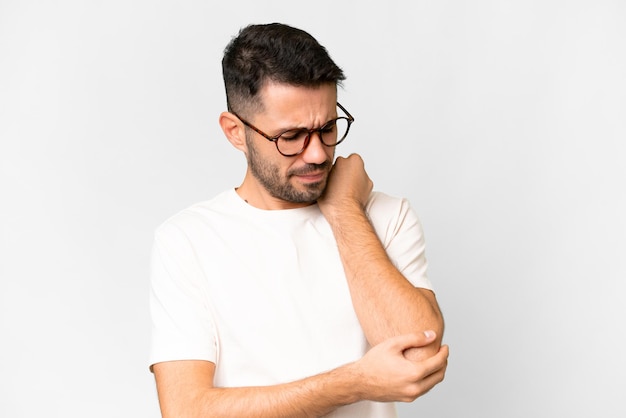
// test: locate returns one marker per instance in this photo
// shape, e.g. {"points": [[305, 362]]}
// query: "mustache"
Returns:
{"points": [[310, 168]]}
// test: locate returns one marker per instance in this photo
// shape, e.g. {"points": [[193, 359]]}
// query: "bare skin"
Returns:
{"points": [[402, 323], [385, 302], [186, 388]]}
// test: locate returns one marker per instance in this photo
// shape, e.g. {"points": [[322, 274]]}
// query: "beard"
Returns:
{"points": [[279, 186]]}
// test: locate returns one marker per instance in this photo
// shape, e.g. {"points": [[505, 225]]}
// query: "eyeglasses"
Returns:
{"points": [[294, 141]]}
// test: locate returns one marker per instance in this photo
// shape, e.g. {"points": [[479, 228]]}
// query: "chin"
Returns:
{"points": [[306, 196], [316, 190]]}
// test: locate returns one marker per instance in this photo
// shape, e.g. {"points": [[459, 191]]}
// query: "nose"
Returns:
{"points": [[315, 152]]}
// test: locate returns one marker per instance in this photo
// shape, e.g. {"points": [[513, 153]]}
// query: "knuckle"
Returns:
{"points": [[418, 371], [413, 392]]}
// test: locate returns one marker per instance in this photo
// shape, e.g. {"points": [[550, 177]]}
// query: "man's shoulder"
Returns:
{"points": [[391, 215], [382, 204], [200, 213]]}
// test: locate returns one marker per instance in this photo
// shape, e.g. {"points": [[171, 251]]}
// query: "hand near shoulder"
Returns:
{"points": [[385, 374], [348, 187]]}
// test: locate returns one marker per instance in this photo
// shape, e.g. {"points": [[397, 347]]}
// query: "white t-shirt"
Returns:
{"points": [[263, 295]]}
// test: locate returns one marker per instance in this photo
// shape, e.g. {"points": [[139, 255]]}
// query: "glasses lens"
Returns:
{"points": [[292, 142], [334, 132]]}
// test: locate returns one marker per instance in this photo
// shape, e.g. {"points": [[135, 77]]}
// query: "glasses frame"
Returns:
{"points": [[307, 140]]}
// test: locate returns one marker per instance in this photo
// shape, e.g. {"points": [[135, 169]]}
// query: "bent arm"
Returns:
{"points": [[385, 302], [186, 390]]}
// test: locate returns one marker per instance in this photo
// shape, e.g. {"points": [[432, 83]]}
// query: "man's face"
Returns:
{"points": [[298, 180]]}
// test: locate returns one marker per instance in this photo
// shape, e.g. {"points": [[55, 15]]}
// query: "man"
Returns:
{"points": [[301, 292]]}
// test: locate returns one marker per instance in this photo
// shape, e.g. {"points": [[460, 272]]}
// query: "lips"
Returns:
{"points": [[311, 169], [312, 177]]}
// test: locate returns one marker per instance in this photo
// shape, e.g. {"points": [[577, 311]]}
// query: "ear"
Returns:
{"points": [[234, 130]]}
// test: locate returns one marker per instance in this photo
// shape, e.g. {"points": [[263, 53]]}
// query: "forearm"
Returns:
{"points": [[385, 301], [310, 397], [383, 374], [304, 398]]}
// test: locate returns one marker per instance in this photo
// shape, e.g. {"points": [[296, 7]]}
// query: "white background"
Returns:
{"points": [[502, 121]]}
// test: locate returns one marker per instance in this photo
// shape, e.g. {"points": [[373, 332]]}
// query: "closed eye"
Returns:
{"points": [[329, 126], [293, 135]]}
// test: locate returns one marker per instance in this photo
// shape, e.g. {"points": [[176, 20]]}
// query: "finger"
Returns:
{"points": [[357, 159], [404, 342], [430, 375], [436, 363], [424, 385]]}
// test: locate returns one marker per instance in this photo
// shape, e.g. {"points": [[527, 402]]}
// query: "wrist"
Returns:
{"points": [[342, 209], [349, 378]]}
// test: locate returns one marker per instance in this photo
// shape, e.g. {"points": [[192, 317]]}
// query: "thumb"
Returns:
{"points": [[404, 342]]}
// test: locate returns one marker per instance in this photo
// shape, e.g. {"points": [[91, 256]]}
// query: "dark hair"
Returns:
{"points": [[274, 52]]}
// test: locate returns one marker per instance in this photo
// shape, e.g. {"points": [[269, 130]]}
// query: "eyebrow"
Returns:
{"points": [[306, 127]]}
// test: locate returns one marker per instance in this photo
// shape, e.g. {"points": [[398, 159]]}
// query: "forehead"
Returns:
{"points": [[302, 106]]}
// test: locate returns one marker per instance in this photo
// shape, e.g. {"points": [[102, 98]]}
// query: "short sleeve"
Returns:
{"points": [[400, 231], [182, 326]]}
